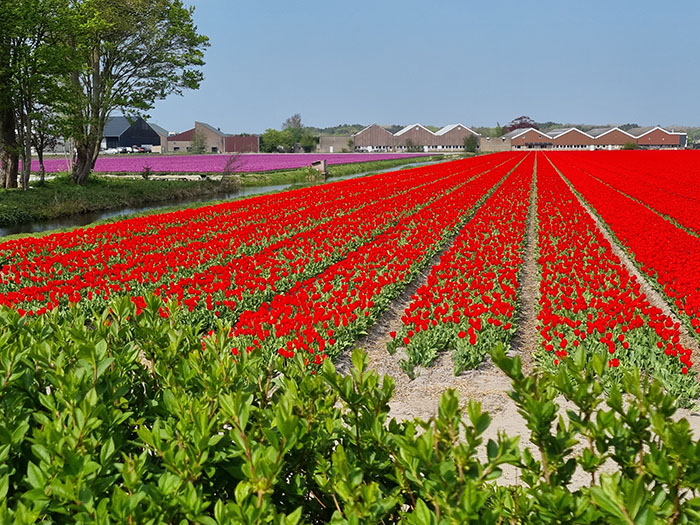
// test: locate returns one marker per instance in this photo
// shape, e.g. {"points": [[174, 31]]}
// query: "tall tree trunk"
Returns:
{"points": [[27, 153], [83, 163], [42, 169], [9, 157]]}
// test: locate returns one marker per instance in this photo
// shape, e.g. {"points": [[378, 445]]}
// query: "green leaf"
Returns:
{"points": [[35, 476], [107, 451]]}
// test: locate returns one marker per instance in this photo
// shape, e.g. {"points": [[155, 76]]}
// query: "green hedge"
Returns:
{"points": [[124, 418]]}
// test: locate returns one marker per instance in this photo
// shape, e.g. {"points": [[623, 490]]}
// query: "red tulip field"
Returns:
{"points": [[309, 271], [195, 366]]}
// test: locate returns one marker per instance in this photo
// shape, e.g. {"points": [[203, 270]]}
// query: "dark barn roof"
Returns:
{"points": [[116, 126], [158, 129]]}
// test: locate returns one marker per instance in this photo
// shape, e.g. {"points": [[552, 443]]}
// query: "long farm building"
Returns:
{"points": [[653, 137]]}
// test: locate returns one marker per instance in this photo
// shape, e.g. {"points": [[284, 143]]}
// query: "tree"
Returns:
{"points": [[132, 53], [520, 123], [9, 153], [39, 57], [199, 142], [412, 146], [294, 129], [44, 136], [273, 141], [307, 141], [470, 143], [293, 122]]}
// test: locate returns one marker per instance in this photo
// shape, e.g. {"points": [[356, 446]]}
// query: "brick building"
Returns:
{"points": [[413, 137], [214, 140], [653, 137]]}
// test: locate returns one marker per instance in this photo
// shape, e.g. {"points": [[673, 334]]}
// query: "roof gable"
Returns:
{"points": [[370, 127], [116, 126], [521, 131], [413, 126], [601, 132], [210, 128], [158, 129], [561, 132], [447, 129], [638, 133]]}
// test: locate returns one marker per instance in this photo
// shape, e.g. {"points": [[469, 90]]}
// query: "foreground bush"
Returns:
{"points": [[122, 418]]}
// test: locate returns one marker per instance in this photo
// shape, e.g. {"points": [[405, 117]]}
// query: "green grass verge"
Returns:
{"points": [[60, 197]]}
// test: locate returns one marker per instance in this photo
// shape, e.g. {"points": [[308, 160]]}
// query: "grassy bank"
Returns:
{"points": [[60, 197]]}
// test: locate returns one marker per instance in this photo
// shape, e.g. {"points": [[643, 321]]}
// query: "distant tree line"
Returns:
{"points": [[66, 65]]}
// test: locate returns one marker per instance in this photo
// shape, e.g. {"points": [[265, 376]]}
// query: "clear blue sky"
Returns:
{"points": [[475, 62]]}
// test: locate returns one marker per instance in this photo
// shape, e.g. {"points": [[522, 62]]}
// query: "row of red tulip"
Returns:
{"points": [[245, 282], [666, 253], [470, 298], [180, 253], [325, 314], [589, 299], [667, 182]]}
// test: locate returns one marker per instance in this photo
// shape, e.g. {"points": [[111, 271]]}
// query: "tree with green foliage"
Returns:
{"points": [[132, 53], [471, 143], [273, 141], [9, 154], [307, 141], [199, 142], [33, 56], [44, 135], [294, 129], [630, 145], [39, 59]]}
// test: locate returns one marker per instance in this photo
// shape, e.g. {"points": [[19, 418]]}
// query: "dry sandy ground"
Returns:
{"points": [[487, 384]]}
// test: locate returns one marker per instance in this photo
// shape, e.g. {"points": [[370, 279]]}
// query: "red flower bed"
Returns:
{"points": [[589, 299], [325, 314], [193, 254], [665, 252], [471, 296], [666, 181]]}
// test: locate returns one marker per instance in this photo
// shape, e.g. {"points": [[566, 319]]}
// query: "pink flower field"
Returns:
{"points": [[252, 162]]}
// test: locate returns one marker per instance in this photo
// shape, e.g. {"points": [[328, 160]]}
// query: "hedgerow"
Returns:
{"points": [[125, 418]]}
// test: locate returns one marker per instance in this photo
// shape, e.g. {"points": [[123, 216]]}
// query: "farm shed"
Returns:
{"points": [[120, 132], [654, 137], [242, 144], [452, 137], [334, 143], [415, 136], [570, 138], [374, 138]]}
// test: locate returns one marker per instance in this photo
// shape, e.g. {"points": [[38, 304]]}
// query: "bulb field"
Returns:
{"points": [[172, 367], [310, 270]]}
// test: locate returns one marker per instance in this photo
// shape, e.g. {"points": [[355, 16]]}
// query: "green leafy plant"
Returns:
{"points": [[126, 417]]}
